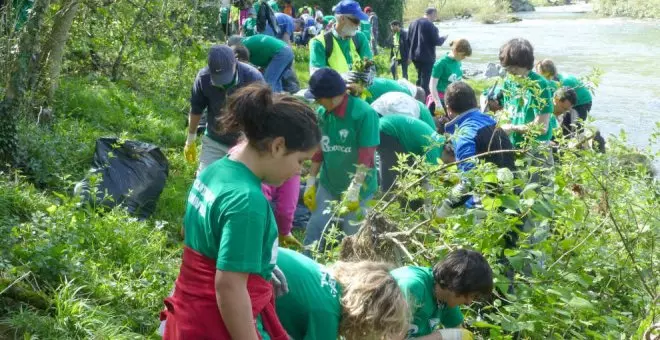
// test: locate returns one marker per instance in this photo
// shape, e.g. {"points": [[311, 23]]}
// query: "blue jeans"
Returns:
{"points": [[281, 61], [319, 219]]}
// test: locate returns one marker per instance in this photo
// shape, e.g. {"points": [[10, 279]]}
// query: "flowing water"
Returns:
{"points": [[628, 51]]}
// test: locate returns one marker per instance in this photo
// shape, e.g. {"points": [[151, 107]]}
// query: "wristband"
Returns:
{"points": [[191, 138]]}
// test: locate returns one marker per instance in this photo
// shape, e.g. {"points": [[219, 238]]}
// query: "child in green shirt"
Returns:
{"points": [[355, 300], [448, 70], [250, 24], [230, 238], [434, 294]]}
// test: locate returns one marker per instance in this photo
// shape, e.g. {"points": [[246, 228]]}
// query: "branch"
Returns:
{"points": [[578, 245], [619, 231]]}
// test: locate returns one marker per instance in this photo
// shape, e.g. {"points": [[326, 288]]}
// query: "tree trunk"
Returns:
{"points": [[53, 52], [16, 89]]}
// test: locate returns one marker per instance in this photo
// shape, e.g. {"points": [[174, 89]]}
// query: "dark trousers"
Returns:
{"points": [[423, 74], [404, 68], [583, 112], [388, 148]]}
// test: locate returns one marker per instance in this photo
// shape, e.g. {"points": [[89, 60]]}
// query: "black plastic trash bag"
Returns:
{"points": [[129, 173]]}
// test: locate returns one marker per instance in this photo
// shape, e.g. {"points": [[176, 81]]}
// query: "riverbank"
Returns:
{"points": [[641, 9]]}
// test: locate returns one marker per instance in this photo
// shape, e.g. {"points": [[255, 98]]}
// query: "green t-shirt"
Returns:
{"points": [[395, 44], [380, 86], [224, 15], [365, 28], [426, 116], [228, 219], [447, 70], [418, 285], [414, 136], [524, 104], [342, 138], [312, 308], [250, 27], [262, 48], [582, 91], [317, 57]]}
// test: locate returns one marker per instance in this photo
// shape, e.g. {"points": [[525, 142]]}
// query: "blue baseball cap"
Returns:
{"points": [[350, 7], [222, 64], [325, 83]]}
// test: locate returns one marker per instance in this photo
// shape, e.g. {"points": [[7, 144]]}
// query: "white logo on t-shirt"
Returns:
{"points": [[343, 133], [454, 77], [326, 147]]}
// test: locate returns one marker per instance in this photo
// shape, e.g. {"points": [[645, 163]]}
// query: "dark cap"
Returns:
{"points": [[430, 10], [222, 64], [350, 7], [325, 83]]}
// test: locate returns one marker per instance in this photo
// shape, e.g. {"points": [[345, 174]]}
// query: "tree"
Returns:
{"points": [[23, 67]]}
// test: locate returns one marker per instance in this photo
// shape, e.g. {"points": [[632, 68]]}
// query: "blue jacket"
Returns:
{"points": [[476, 133]]}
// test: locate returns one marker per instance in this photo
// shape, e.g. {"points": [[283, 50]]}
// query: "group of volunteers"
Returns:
{"points": [[236, 280]]}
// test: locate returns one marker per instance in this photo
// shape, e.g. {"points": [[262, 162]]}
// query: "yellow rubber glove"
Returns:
{"points": [[309, 197], [289, 241], [190, 150], [455, 334]]}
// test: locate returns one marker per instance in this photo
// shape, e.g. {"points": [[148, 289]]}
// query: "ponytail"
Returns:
{"points": [[262, 116]]}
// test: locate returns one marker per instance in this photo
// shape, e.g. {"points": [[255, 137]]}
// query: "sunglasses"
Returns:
{"points": [[354, 20]]}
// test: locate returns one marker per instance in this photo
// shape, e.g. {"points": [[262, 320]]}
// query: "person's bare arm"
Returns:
{"points": [[193, 122], [543, 120], [433, 86], [234, 304], [314, 169]]}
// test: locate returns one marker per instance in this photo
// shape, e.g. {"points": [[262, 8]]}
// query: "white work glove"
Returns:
{"points": [[279, 282], [352, 195], [455, 334], [444, 211]]}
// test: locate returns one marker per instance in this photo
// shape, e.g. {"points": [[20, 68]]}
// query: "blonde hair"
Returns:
{"points": [[373, 306], [547, 67], [461, 46]]}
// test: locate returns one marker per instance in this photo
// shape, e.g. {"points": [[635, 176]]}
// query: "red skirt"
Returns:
{"points": [[192, 311]]}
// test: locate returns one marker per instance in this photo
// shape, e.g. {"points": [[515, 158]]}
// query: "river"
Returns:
{"points": [[627, 50]]}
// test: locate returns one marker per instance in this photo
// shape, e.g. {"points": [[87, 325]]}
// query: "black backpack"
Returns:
{"points": [[329, 43]]}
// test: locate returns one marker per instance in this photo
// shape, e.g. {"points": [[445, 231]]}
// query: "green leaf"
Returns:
{"points": [[490, 178], [51, 209], [491, 204], [580, 303], [484, 324]]}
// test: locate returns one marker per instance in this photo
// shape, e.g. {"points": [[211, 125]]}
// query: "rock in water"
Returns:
{"points": [[492, 70], [521, 6]]}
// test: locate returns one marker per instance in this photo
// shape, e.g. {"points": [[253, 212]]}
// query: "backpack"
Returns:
{"points": [[267, 17], [329, 43]]}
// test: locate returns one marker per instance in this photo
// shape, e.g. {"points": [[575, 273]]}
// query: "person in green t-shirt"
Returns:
{"points": [[375, 88], [584, 98], [223, 20], [349, 44], [250, 24], [435, 294], [404, 134], [346, 159], [448, 70], [230, 233], [346, 299], [270, 54], [527, 95]]}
